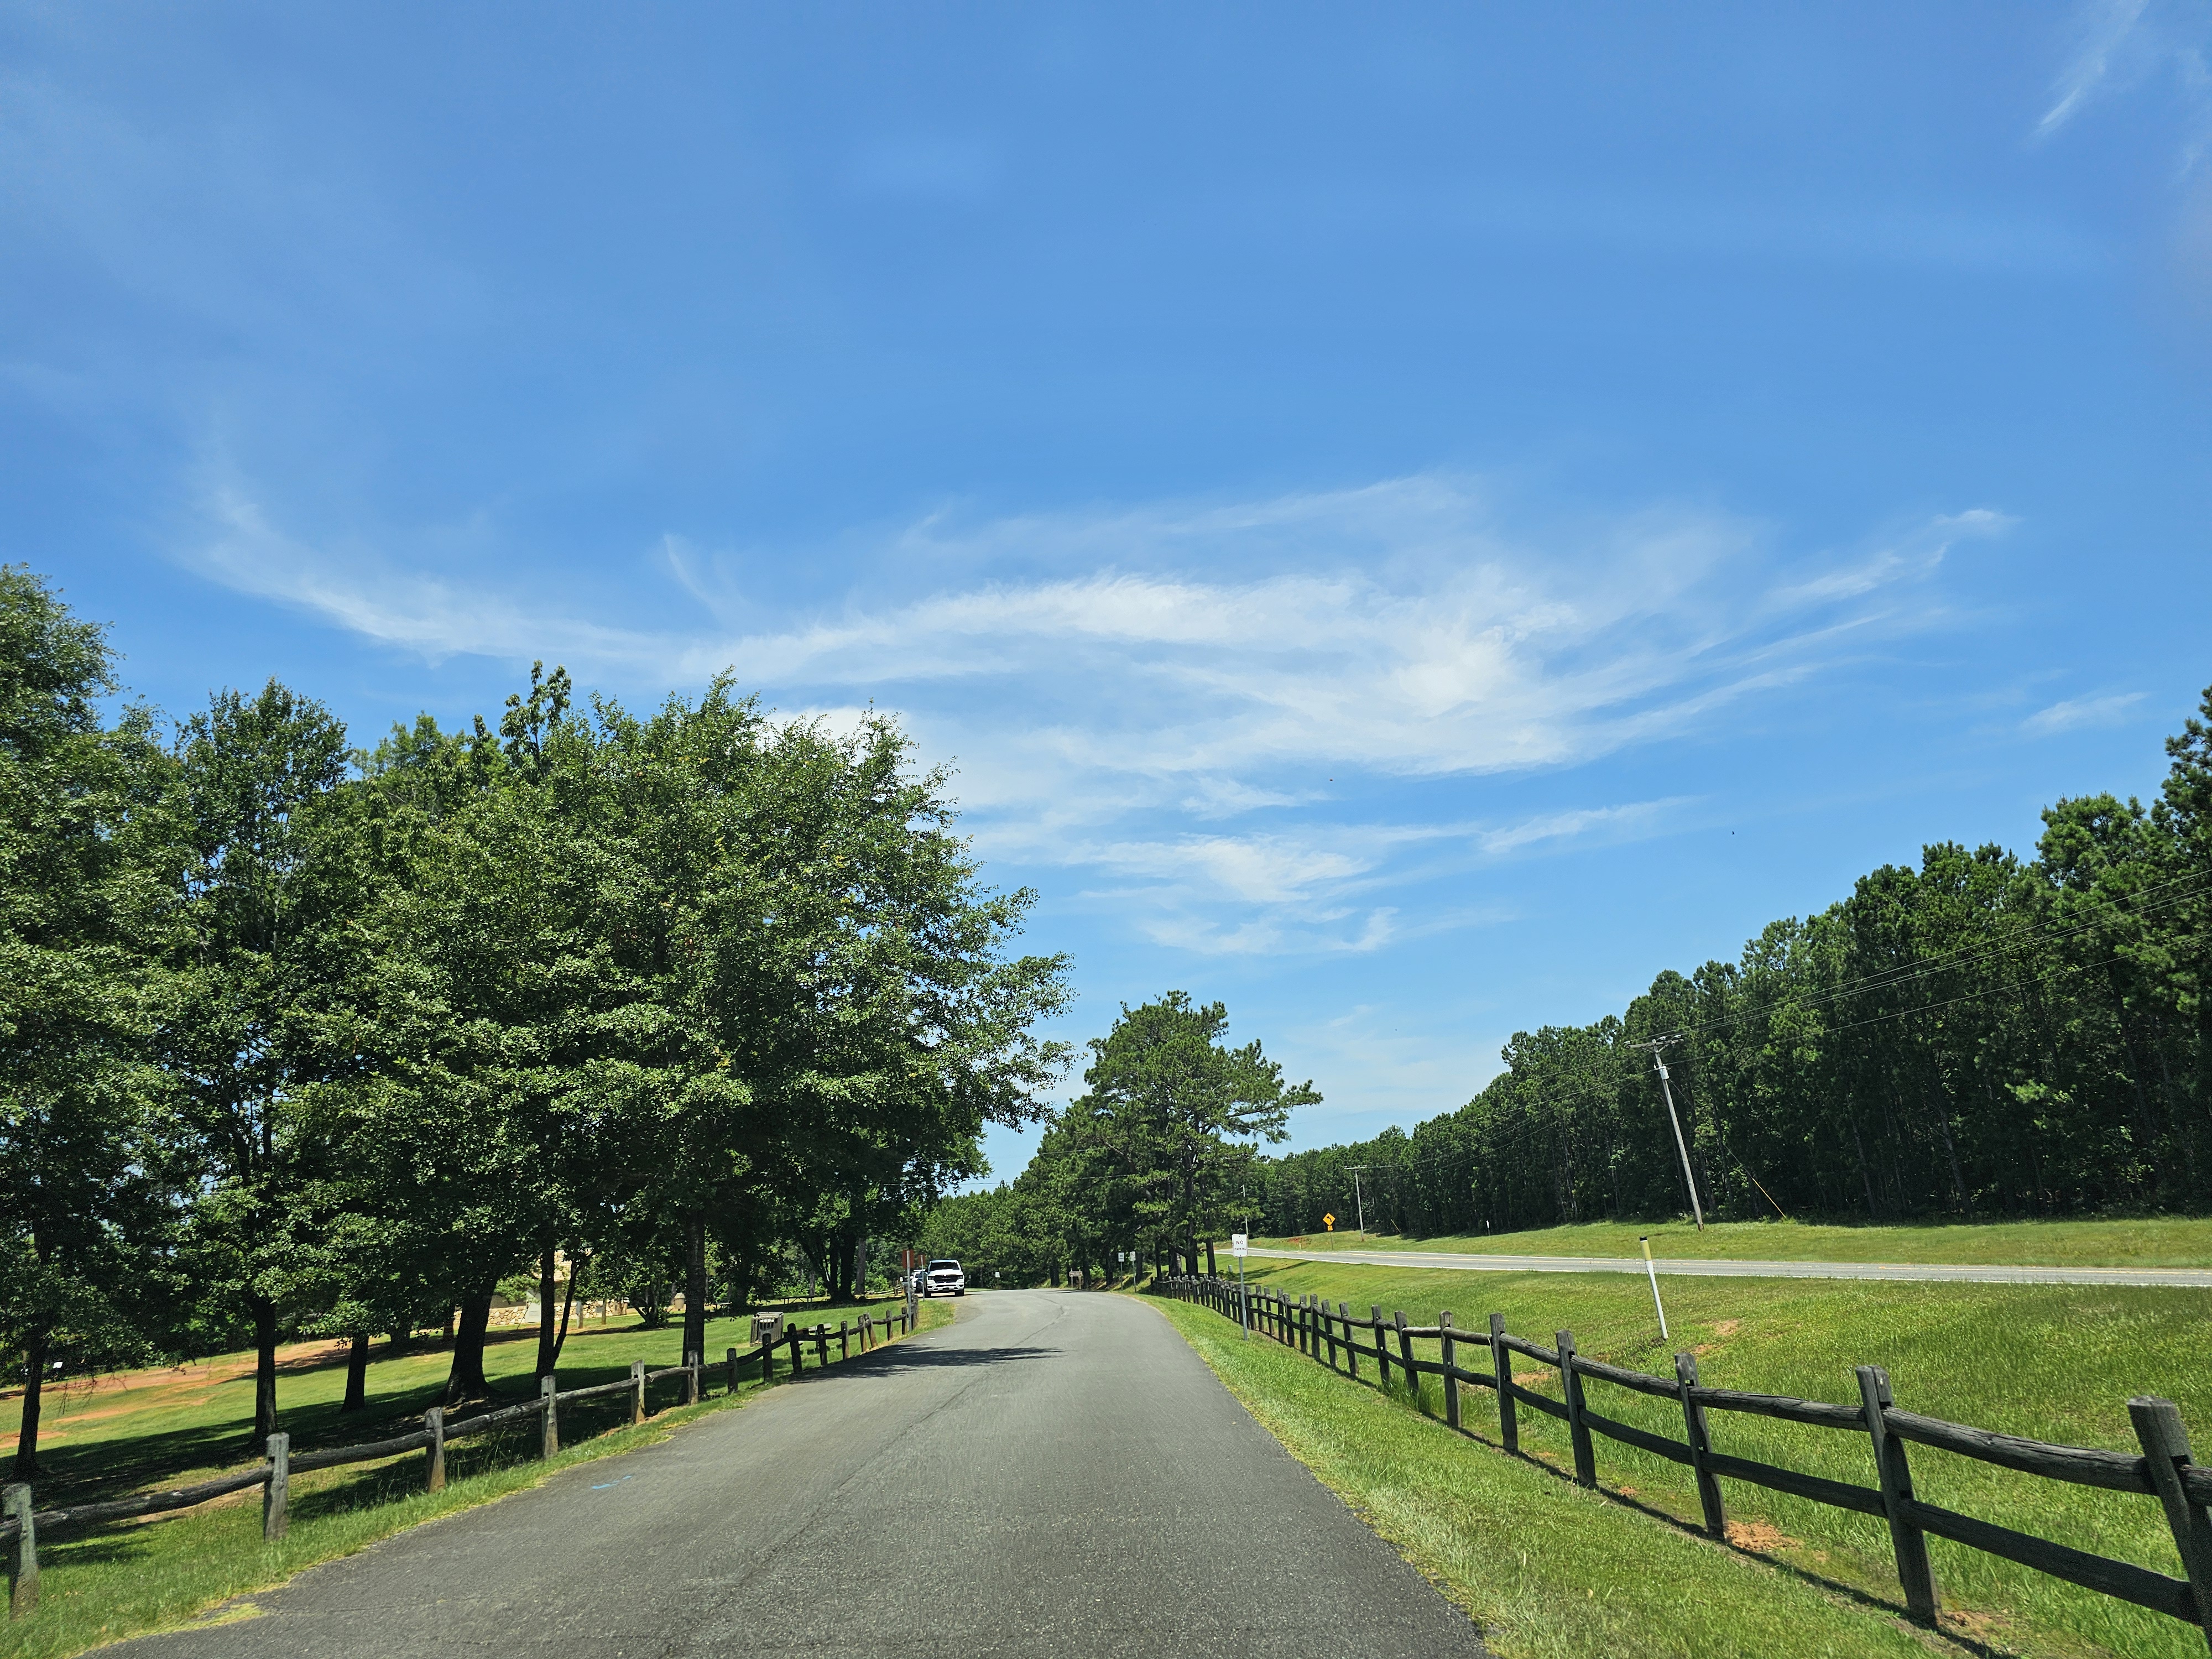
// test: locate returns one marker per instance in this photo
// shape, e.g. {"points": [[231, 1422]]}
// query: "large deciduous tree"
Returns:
{"points": [[271, 892], [85, 1183]]}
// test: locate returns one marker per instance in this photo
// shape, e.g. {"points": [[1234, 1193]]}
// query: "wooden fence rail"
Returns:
{"points": [[20, 1525], [2164, 1469]]}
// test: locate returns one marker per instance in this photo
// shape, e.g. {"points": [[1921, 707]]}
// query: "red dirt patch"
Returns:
{"points": [[1757, 1535]]}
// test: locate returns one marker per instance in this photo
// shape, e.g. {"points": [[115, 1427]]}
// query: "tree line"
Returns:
{"points": [[298, 1038], [1978, 1035], [1146, 1168]]}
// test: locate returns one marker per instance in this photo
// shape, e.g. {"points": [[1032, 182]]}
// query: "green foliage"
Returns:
{"points": [[1979, 1036], [1153, 1156], [85, 1171], [303, 1039]]}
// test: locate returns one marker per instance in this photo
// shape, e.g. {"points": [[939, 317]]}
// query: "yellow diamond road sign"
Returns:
{"points": [[1329, 1222]]}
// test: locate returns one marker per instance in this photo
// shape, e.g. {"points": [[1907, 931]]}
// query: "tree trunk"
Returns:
{"points": [[34, 1381], [466, 1381], [695, 1282], [549, 1344], [264, 1370], [356, 1393], [576, 1265]]}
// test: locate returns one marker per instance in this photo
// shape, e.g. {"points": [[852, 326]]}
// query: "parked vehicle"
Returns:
{"points": [[945, 1278]]}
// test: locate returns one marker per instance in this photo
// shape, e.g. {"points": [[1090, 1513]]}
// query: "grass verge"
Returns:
{"points": [[2053, 1362], [134, 1577], [2153, 1242], [1548, 1569]]}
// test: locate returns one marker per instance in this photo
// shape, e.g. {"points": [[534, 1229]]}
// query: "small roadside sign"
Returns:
{"points": [[1236, 1244], [1329, 1222]]}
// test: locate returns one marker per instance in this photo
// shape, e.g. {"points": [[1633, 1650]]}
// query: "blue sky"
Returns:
{"points": [[1408, 521]]}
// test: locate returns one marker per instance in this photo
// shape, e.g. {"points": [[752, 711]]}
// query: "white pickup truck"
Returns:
{"points": [[943, 1277]]}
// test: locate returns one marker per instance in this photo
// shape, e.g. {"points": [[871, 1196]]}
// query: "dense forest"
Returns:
{"points": [[1982, 1035], [301, 1039]]}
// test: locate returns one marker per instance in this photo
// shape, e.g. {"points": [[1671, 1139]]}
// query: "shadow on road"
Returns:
{"points": [[905, 1356]]}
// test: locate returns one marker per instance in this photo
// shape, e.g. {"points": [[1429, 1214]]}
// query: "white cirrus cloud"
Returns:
{"points": [[2081, 714], [1178, 699], [2122, 44]]}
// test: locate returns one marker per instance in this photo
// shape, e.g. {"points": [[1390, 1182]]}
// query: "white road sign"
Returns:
{"points": [[1236, 1243]]}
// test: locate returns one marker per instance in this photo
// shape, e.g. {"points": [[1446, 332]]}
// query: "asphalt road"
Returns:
{"points": [[1056, 1474], [1922, 1273]]}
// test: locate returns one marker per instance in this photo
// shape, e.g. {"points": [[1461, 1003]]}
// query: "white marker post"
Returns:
{"points": [[1243, 1302], [1644, 1239]]}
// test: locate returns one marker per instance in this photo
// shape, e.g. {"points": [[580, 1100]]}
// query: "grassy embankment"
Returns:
{"points": [[2156, 1241], [149, 1430], [2053, 1362]]}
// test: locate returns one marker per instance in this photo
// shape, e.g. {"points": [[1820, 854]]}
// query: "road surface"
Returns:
{"points": [[1054, 1473], [1921, 1273]]}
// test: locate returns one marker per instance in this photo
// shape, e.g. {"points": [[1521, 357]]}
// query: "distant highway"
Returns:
{"points": [[1946, 1273]]}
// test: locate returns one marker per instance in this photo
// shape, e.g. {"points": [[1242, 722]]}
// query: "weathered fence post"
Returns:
{"points": [[1700, 1438], [549, 1406], [1406, 1355], [691, 1377], [730, 1372], [434, 1455], [1501, 1362], [23, 1582], [1351, 1341], [637, 1391], [1451, 1379], [1913, 1573], [1578, 1430], [797, 1366], [1382, 1343], [2166, 1449], [276, 1493], [820, 1343], [844, 1349]]}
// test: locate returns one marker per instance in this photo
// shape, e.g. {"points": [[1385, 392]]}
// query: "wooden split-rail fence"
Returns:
{"points": [[2163, 1469], [20, 1524]]}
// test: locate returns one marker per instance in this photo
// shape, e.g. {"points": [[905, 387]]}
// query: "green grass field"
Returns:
{"points": [[2049, 1362], [143, 1430], [2156, 1241]]}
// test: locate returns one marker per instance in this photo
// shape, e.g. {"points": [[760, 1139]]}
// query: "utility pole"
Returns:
{"points": [[1674, 1118], [1356, 1198]]}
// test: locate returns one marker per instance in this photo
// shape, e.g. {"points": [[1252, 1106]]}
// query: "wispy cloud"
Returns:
{"points": [[1181, 700], [2124, 43], [2081, 714], [2107, 28], [364, 594]]}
